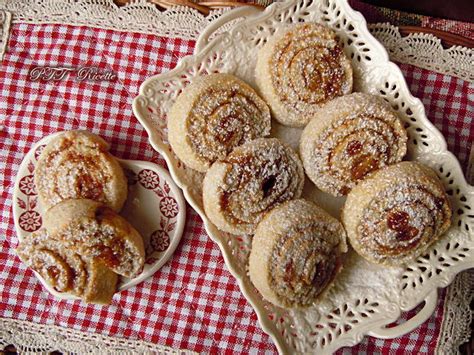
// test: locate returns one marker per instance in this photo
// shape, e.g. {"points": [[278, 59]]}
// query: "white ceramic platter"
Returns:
{"points": [[154, 206], [365, 297]]}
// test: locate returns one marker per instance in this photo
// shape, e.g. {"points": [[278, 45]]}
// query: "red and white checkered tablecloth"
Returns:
{"points": [[192, 302]]}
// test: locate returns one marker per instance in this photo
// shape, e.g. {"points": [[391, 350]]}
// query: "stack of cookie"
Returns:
{"points": [[84, 244], [352, 144]]}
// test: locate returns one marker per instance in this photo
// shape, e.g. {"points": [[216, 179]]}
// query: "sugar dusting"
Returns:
{"points": [[365, 138], [260, 175], [77, 166], [402, 219], [359, 278], [225, 115], [104, 241], [308, 68], [61, 267], [306, 257]]}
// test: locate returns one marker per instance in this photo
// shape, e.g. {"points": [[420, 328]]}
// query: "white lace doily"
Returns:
{"points": [[426, 51], [182, 22], [137, 16], [455, 329], [28, 337], [5, 19]]}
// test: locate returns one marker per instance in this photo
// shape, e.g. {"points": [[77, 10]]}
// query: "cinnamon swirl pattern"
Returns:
{"points": [[393, 216], [349, 138], [213, 115], [76, 164], [66, 270], [300, 70], [250, 181], [296, 253], [95, 230]]}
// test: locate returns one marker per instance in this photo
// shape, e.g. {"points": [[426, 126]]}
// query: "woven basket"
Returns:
{"points": [[204, 6]]}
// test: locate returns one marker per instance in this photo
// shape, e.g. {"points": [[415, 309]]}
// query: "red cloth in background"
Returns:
{"points": [[400, 18]]}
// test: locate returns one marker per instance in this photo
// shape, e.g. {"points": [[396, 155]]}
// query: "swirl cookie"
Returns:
{"points": [[349, 138], [66, 270], [76, 164], [212, 116], [393, 216], [92, 229], [296, 253], [300, 70], [250, 181]]}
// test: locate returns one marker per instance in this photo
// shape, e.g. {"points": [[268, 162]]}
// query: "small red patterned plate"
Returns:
{"points": [[154, 206]]}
